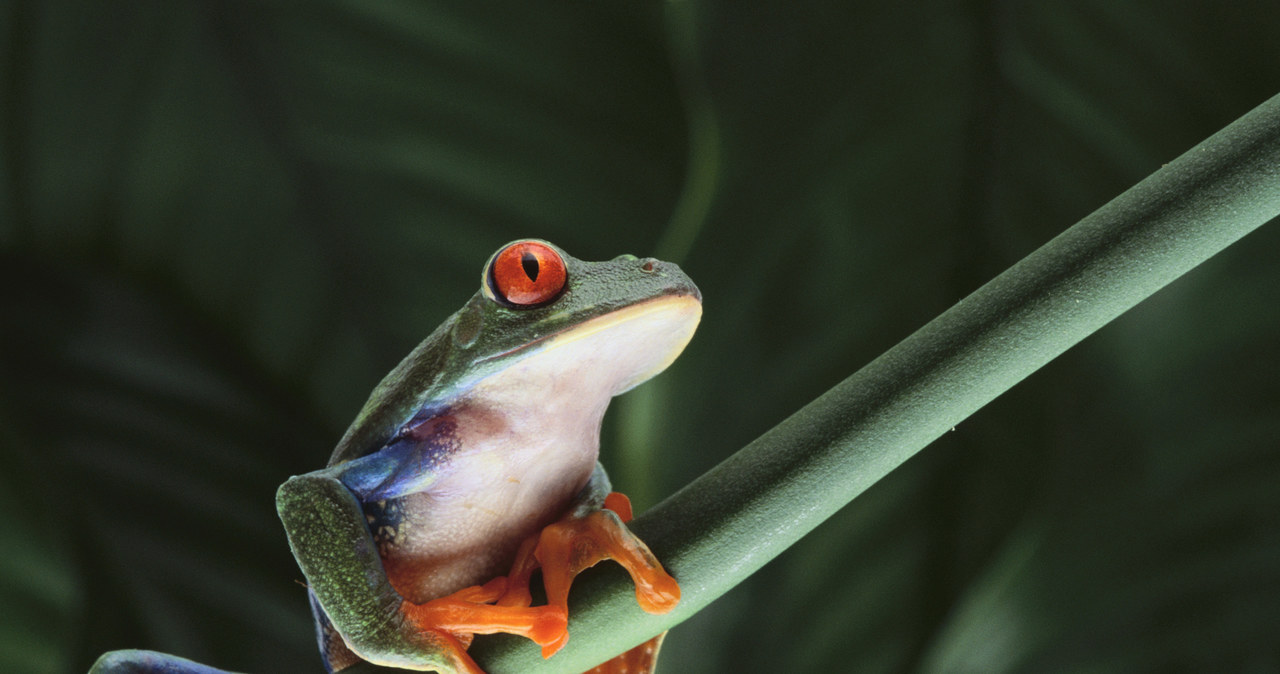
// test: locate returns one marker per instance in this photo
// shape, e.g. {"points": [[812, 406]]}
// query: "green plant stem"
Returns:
{"points": [[726, 524]]}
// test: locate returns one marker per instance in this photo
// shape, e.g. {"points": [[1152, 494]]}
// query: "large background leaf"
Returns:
{"points": [[220, 223]]}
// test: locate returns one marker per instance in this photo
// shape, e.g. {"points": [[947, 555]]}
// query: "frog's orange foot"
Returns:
{"points": [[470, 611], [576, 542]]}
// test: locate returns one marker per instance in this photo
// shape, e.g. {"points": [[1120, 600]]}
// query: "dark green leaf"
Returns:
{"points": [[221, 223]]}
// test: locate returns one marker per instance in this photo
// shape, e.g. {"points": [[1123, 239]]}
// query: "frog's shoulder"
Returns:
{"points": [[409, 387]]}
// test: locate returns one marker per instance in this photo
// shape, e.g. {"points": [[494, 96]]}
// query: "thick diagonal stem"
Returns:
{"points": [[729, 522]]}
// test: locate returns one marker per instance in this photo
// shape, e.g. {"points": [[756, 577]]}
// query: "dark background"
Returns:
{"points": [[222, 222]]}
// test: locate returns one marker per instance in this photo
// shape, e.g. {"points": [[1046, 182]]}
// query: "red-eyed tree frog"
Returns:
{"points": [[474, 463]]}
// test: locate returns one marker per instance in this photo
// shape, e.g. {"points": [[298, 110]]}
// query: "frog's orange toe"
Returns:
{"points": [[550, 630], [551, 648], [656, 592], [620, 504]]}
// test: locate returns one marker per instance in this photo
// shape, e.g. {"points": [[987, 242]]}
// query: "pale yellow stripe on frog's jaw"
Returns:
{"points": [[671, 321]]}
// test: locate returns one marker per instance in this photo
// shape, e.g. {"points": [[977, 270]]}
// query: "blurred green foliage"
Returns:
{"points": [[221, 223]]}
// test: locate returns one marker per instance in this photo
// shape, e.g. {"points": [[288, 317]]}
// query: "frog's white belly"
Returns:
{"points": [[528, 438], [514, 473]]}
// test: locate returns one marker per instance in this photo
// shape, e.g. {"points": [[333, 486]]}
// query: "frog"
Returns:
{"points": [[475, 463]]}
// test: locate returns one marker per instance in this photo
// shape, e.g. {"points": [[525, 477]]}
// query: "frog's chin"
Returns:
{"points": [[630, 345], [583, 366]]}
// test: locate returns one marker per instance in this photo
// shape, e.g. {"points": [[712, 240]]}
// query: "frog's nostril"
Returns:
{"points": [[650, 265]]}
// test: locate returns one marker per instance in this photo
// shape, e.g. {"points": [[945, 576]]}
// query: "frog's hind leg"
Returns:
{"points": [[149, 662], [330, 539]]}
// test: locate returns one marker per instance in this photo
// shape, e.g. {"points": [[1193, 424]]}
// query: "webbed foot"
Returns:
{"points": [[576, 542]]}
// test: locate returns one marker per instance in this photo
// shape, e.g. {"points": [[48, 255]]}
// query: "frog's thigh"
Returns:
{"points": [[148, 662], [336, 552]]}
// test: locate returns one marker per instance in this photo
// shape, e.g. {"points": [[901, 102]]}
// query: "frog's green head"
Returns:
{"points": [[541, 319], [534, 298]]}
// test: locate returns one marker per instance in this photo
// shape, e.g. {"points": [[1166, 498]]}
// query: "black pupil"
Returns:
{"points": [[530, 263]]}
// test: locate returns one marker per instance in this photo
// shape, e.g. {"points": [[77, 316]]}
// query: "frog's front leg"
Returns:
{"points": [[592, 531], [337, 554]]}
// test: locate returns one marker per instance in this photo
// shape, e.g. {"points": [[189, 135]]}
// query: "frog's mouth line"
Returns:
{"points": [[685, 311], [680, 303]]}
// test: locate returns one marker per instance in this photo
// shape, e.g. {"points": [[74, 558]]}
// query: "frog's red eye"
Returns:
{"points": [[527, 273]]}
